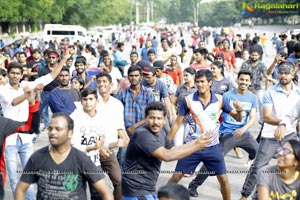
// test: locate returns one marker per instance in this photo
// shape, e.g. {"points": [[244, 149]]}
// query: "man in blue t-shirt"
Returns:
{"points": [[235, 133]]}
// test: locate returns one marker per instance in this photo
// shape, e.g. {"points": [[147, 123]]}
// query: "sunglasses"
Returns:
{"points": [[284, 150]]}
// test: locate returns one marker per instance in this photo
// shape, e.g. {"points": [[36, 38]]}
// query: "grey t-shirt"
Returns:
{"points": [[257, 71], [268, 176], [222, 86]]}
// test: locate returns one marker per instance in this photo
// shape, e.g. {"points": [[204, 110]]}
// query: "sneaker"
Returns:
{"points": [[193, 192], [35, 138], [238, 152]]}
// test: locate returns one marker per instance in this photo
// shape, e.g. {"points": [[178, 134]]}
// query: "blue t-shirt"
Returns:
{"points": [[248, 101], [159, 90]]}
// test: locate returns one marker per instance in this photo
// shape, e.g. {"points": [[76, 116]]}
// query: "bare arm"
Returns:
{"points": [[132, 128], [263, 193], [103, 190], [21, 189], [182, 151], [57, 69], [269, 118], [237, 113], [239, 132], [175, 127]]}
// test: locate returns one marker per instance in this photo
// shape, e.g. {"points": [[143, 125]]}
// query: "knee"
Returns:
{"points": [[223, 180]]}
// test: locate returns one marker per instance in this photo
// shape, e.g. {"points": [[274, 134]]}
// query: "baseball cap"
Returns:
{"points": [[158, 64], [286, 67], [146, 67]]}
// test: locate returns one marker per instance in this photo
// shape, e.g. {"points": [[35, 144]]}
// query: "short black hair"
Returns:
{"points": [[14, 65], [204, 73], [135, 68], [80, 59], [87, 91], [69, 120], [104, 74], [156, 105], [190, 70], [174, 191], [245, 72]]}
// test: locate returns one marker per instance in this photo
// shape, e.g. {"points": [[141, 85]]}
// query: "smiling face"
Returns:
{"points": [[286, 157], [244, 81], [155, 121], [103, 85]]}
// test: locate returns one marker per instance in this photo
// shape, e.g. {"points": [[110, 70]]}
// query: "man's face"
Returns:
{"points": [[22, 58], [244, 81], [165, 45], [103, 85], [285, 78], [89, 103], [106, 61], [59, 133], [198, 57], [151, 57], [201, 44], [52, 59], [254, 56], [69, 63], [36, 56], [133, 58], [135, 78], [64, 78], [14, 76], [148, 44], [80, 68], [149, 78], [202, 85], [226, 44], [155, 120]]}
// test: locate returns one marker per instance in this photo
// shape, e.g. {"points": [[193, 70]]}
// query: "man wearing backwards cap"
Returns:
{"points": [[159, 88], [286, 93]]}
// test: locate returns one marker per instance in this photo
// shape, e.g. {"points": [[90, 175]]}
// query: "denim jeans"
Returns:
{"points": [[11, 164], [44, 107], [121, 156], [266, 150], [228, 142]]}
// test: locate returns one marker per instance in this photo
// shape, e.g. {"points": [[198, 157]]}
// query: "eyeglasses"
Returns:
{"points": [[284, 150]]}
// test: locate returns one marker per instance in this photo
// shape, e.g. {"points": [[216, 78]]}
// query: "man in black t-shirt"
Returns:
{"points": [[60, 170], [147, 149]]}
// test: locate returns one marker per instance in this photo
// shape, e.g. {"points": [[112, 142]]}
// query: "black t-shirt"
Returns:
{"points": [[141, 169], [55, 83], [34, 66], [66, 180]]}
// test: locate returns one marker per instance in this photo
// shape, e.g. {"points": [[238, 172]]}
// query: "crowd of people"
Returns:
{"points": [[110, 112]]}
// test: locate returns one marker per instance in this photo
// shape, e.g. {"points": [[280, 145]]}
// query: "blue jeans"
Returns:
{"points": [[121, 156], [44, 109], [11, 164], [266, 150]]}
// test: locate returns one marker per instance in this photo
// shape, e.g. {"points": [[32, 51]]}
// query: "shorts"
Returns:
{"points": [[212, 157]]}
